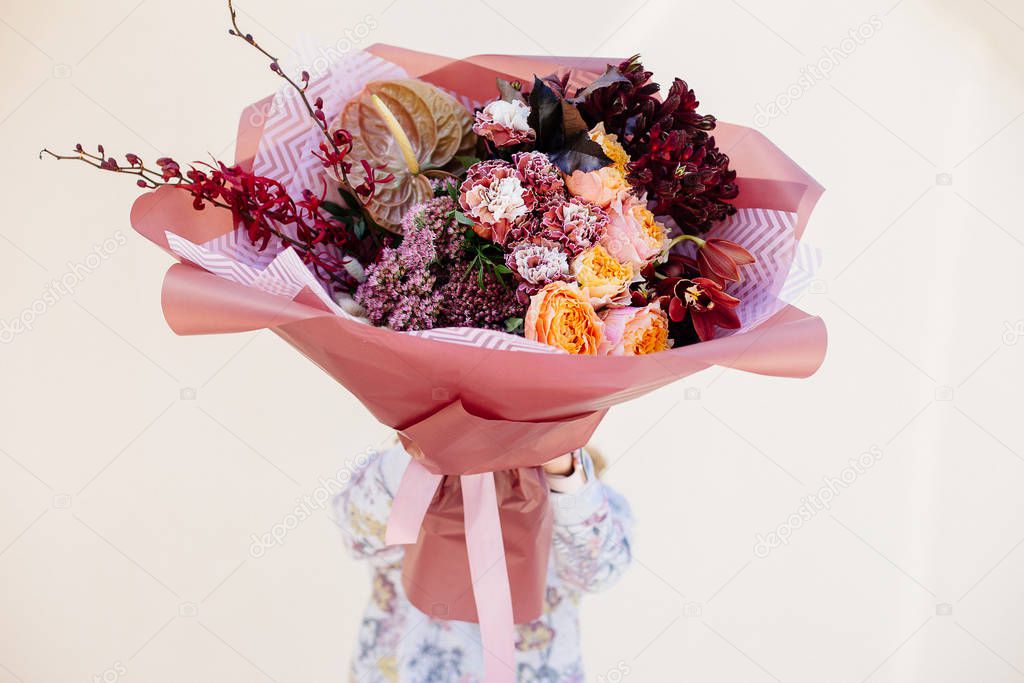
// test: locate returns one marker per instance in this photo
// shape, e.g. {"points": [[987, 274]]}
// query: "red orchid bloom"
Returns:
{"points": [[720, 260], [708, 305]]}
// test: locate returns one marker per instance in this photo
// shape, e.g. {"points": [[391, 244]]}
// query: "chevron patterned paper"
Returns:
{"points": [[288, 134], [784, 267], [487, 339]]}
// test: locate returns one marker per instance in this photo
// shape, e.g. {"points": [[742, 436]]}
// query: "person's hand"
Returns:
{"points": [[561, 466]]}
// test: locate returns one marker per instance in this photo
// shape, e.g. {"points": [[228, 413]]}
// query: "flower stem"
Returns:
{"points": [[683, 238], [664, 256], [300, 90]]}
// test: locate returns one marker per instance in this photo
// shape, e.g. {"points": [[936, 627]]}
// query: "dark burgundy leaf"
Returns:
{"points": [[572, 121], [610, 77], [509, 92], [545, 116], [580, 153]]}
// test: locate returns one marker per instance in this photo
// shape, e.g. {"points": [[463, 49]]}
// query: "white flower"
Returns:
{"points": [[571, 211], [511, 115], [506, 124], [539, 264], [503, 200]]}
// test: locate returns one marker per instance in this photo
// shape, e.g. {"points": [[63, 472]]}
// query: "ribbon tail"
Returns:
{"points": [[410, 505], [489, 574]]}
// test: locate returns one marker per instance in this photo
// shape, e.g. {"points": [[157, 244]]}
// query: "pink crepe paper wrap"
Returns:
{"points": [[475, 509]]}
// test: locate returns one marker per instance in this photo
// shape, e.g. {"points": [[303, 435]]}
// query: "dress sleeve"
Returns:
{"points": [[592, 534], [361, 510]]}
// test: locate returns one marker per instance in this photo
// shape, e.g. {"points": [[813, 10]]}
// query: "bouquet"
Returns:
{"points": [[489, 253]]}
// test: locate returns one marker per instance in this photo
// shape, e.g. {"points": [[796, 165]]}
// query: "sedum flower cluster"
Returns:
{"points": [[428, 280]]}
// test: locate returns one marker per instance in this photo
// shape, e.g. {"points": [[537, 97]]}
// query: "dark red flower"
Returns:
{"points": [[704, 300], [371, 178], [720, 260], [324, 234], [638, 297], [334, 153], [675, 159], [169, 168]]}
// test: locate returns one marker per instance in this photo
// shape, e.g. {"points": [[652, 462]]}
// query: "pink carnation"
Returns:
{"points": [[541, 176], [575, 224], [536, 264], [494, 196]]}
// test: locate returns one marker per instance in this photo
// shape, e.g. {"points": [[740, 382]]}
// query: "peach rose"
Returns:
{"points": [[605, 185], [633, 235], [634, 331], [560, 315], [601, 187], [601, 276]]}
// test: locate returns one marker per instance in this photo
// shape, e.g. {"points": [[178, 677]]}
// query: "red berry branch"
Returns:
{"points": [[337, 144], [148, 178], [260, 205]]}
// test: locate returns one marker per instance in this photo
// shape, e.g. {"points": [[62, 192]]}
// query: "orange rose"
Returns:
{"points": [[560, 315], [603, 279], [634, 331]]}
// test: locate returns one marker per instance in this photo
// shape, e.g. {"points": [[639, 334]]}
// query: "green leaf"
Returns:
{"points": [[464, 219], [501, 269], [338, 210], [359, 229], [349, 198], [467, 161], [453, 193], [513, 325]]}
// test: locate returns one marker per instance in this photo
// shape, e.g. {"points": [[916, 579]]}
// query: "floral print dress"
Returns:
{"points": [[397, 642]]}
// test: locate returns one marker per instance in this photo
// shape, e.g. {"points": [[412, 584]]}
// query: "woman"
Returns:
{"points": [[397, 642]]}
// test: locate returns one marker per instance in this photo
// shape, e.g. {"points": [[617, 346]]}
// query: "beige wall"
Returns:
{"points": [[135, 465]]}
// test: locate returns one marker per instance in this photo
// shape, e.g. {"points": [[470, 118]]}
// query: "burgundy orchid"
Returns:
{"points": [[260, 206], [706, 302], [717, 259], [720, 260]]}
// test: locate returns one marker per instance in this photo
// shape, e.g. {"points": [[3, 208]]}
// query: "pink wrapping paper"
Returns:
{"points": [[472, 410]]}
